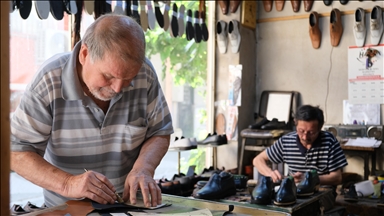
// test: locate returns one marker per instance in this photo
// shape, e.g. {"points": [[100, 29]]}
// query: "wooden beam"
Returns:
{"points": [[5, 108]]}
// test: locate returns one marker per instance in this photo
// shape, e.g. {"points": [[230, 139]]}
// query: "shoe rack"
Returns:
{"points": [[246, 57]]}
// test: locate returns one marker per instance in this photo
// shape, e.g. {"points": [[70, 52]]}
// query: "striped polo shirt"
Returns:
{"points": [[58, 121], [325, 155]]}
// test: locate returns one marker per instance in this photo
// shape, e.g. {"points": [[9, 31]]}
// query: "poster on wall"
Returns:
{"points": [[234, 94], [366, 75]]}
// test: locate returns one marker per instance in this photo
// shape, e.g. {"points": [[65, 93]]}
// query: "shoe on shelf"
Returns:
{"points": [[224, 5], [267, 5], [183, 143], [286, 195], [279, 4], [335, 28], [295, 5], [234, 35], [309, 185], [376, 25], [218, 186], [314, 30], [327, 2], [359, 29], [222, 37], [308, 5], [263, 193]]}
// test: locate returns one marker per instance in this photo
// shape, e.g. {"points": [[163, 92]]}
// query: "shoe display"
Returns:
{"points": [[260, 121], [309, 185], [267, 5], [286, 195], [222, 38], [198, 33], [218, 186], [189, 31], [174, 23], [233, 5], [234, 35], [279, 4], [215, 139], [335, 28], [224, 6], [308, 5], [343, 2], [314, 30], [167, 7], [295, 5], [327, 2], [376, 25], [359, 29], [183, 143], [158, 14], [151, 16], [263, 193], [180, 21], [143, 16], [274, 124], [351, 195]]}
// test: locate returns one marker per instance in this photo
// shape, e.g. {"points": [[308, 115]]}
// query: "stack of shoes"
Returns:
{"points": [[218, 186], [309, 185], [215, 139], [351, 194]]}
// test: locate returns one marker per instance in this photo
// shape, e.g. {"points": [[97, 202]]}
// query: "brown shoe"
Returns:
{"points": [[308, 5], [336, 28], [279, 4], [224, 6], [233, 5], [295, 5], [314, 30], [267, 5]]}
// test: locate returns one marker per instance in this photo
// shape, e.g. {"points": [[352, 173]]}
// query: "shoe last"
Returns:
{"points": [[359, 29], [218, 186], [351, 195], [376, 25], [336, 28], [263, 193], [309, 185], [234, 35], [286, 195], [222, 40], [314, 30]]}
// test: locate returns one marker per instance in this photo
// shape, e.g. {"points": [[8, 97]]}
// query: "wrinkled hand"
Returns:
{"points": [[92, 185], [298, 176], [275, 175], [143, 180]]}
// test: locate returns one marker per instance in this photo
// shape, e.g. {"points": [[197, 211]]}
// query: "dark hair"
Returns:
{"points": [[310, 113]]}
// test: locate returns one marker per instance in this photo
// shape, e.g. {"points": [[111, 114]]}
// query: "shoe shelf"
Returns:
{"points": [[214, 151], [178, 150], [305, 16]]}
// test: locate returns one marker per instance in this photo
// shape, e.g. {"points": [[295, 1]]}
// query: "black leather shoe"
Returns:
{"points": [[263, 192], [274, 124], [211, 138], [351, 195], [219, 186], [286, 195], [309, 185], [327, 2], [260, 121]]}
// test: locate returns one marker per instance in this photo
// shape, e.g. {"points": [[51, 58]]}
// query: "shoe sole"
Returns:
{"points": [[284, 204], [317, 187], [260, 203]]}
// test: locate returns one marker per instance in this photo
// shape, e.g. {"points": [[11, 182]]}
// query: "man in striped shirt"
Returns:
{"points": [[99, 108], [307, 148]]}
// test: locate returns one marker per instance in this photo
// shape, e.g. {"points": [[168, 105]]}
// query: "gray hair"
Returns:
{"points": [[115, 33]]}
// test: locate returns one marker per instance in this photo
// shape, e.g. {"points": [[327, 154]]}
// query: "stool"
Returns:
{"points": [[268, 137]]}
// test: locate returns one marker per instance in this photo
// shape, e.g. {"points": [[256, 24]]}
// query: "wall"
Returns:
{"points": [[287, 61]]}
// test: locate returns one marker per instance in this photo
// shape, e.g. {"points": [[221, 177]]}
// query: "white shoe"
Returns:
{"points": [[180, 21], [234, 35], [359, 29], [183, 143], [376, 25], [222, 38]]}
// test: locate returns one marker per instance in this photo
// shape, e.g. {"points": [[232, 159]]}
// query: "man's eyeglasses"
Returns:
{"points": [[308, 133]]}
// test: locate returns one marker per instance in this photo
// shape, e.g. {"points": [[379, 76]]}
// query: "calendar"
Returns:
{"points": [[366, 75]]}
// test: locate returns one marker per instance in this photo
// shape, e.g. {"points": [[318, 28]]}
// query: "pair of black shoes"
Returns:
{"points": [[288, 192], [219, 186], [264, 124]]}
